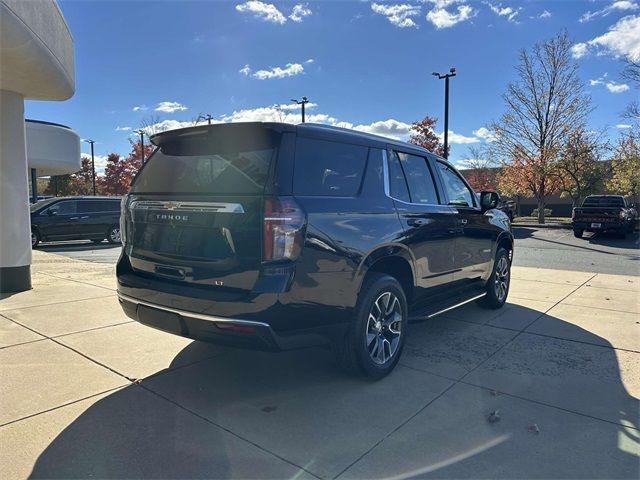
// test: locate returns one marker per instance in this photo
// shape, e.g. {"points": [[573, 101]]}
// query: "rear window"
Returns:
{"points": [[603, 202], [224, 160], [328, 168], [99, 206]]}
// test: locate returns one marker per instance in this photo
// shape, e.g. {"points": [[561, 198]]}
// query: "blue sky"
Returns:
{"points": [[362, 64]]}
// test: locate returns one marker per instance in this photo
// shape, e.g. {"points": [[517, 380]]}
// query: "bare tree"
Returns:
{"points": [[151, 125], [631, 73], [543, 106]]}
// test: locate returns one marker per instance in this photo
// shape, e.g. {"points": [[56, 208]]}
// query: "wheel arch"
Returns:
{"points": [[395, 260]]}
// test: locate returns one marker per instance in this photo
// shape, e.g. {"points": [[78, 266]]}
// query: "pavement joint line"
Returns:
{"points": [[402, 424], [550, 405], [597, 308], [3, 315], [611, 347], [22, 343], [78, 281], [62, 406], [113, 293], [211, 422], [517, 335]]}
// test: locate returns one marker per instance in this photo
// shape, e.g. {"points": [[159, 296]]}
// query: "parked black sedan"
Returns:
{"points": [[76, 218]]}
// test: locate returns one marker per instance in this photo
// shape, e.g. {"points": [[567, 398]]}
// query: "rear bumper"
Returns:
{"points": [[586, 225], [221, 330]]}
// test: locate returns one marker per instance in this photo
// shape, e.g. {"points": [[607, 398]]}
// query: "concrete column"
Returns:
{"points": [[15, 232]]}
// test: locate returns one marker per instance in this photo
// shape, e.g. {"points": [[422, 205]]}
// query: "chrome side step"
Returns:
{"points": [[440, 307]]}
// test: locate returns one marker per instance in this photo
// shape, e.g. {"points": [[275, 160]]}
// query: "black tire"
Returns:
{"points": [[364, 349], [577, 232], [498, 284], [97, 241], [113, 234], [35, 238]]}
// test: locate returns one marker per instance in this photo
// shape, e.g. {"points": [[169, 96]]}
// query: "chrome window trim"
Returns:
{"points": [[385, 175], [186, 313], [182, 206]]}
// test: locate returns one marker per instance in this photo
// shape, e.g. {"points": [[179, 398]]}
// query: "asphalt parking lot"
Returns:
{"points": [[542, 248], [546, 387]]}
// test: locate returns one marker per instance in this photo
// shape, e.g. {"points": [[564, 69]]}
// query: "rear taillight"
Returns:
{"points": [[283, 229], [123, 219]]}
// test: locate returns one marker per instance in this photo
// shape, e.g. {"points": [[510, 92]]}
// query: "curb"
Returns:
{"points": [[566, 226]]}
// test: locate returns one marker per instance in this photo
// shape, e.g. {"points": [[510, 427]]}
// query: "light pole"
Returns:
{"points": [[208, 118], [141, 133], [302, 102], [93, 166], [446, 76]]}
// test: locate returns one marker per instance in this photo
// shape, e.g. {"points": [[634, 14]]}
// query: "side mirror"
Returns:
{"points": [[489, 200]]}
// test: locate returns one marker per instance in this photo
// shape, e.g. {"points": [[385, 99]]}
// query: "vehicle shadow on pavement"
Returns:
{"points": [[564, 410]]}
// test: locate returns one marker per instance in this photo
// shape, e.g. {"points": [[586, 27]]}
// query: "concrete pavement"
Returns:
{"points": [[87, 393]]}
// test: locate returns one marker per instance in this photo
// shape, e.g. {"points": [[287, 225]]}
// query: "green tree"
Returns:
{"points": [[625, 166]]}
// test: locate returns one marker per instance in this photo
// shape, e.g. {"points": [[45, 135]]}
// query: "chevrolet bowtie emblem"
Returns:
{"points": [[170, 205]]}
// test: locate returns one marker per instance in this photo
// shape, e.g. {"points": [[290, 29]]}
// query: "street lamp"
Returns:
{"points": [[446, 76], [93, 166], [208, 118], [141, 133], [302, 102]]}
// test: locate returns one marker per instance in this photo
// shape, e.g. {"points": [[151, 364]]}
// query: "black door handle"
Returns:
{"points": [[416, 222]]}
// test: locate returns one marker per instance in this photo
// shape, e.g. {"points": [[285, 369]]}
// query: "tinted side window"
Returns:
{"points": [[397, 183], [65, 208], [328, 168], [457, 190], [416, 171]]}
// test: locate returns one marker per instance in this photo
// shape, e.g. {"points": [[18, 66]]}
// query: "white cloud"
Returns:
{"points": [[165, 125], [545, 14], [140, 108], [122, 129], [622, 39], [458, 138], [387, 128], [579, 50], [293, 106], [170, 107], [614, 87], [100, 161], [290, 70], [611, 85], [264, 11], [484, 134], [246, 70], [440, 17], [398, 14], [509, 12], [623, 126], [620, 5], [299, 12]]}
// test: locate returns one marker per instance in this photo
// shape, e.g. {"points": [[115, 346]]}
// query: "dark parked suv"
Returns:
{"points": [[276, 236], [76, 218]]}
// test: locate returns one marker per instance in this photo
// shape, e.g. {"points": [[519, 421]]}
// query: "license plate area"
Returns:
{"points": [[596, 225], [162, 320]]}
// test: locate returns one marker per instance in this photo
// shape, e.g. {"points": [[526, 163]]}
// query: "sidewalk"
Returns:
{"points": [[85, 392]]}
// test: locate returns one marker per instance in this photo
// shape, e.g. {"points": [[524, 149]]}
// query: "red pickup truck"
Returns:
{"points": [[600, 213]]}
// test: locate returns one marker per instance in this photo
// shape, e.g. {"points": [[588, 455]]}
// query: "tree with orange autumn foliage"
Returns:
{"points": [[424, 135]]}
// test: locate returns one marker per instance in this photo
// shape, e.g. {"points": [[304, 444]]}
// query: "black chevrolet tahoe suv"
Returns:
{"points": [[76, 218], [275, 236]]}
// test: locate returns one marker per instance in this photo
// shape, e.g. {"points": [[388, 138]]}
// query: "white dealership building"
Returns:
{"points": [[36, 63]]}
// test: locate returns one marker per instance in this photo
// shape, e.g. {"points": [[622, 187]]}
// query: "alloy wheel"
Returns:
{"points": [[34, 239], [114, 235], [384, 328], [502, 278]]}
